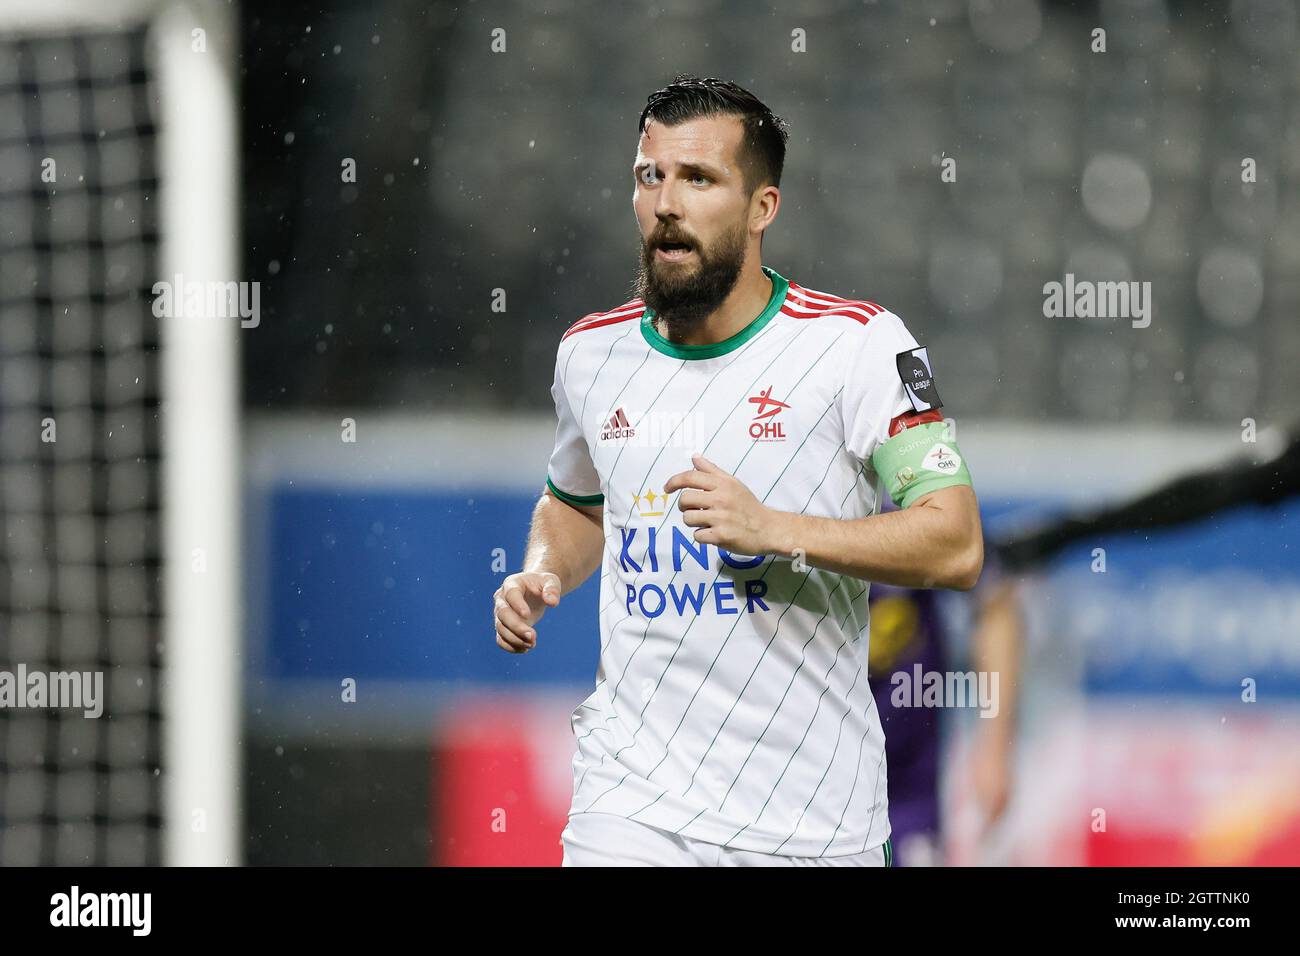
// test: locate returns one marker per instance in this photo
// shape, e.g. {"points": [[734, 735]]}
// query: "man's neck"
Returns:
{"points": [[746, 302]]}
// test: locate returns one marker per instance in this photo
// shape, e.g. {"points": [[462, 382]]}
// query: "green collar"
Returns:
{"points": [[780, 285]]}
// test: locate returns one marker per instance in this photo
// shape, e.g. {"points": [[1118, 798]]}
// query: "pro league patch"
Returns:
{"points": [[918, 379]]}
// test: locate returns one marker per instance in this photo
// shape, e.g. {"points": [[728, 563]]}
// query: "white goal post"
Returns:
{"points": [[194, 75]]}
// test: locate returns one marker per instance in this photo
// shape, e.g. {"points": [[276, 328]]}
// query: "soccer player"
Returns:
{"points": [[724, 439]]}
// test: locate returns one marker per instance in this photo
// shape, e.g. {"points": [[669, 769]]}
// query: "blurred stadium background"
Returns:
{"points": [[206, 533]]}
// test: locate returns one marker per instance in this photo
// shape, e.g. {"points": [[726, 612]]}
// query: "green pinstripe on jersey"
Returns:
{"points": [[795, 753], [776, 630], [707, 445], [591, 387], [734, 470], [693, 406], [811, 575], [839, 734], [698, 400], [852, 790]]}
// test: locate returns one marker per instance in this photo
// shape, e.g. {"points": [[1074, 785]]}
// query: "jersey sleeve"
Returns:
{"points": [[571, 474], [873, 395], [892, 416]]}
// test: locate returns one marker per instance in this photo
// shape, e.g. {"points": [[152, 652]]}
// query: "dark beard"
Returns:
{"points": [[682, 299]]}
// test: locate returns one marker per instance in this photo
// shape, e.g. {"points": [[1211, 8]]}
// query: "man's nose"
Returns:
{"points": [[668, 201]]}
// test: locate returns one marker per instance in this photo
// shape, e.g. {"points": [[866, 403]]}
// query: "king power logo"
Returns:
{"points": [[765, 426]]}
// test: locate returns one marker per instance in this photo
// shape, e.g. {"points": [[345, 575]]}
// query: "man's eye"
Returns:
{"points": [[701, 177]]}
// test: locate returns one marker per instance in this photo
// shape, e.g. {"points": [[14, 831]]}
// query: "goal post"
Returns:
{"points": [[200, 430], [120, 430]]}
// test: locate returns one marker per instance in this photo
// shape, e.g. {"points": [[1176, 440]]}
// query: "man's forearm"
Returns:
{"points": [[927, 545], [995, 649], [565, 541]]}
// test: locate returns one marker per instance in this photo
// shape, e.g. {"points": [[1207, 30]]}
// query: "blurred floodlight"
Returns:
{"points": [[965, 274], [1116, 191], [1230, 285]]}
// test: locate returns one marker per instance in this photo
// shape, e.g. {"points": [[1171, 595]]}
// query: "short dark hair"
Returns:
{"points": [[762, 148]]}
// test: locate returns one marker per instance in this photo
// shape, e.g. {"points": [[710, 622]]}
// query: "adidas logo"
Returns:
{"points": [[617, 427]]}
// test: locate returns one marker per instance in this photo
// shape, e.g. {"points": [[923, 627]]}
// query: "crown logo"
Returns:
{"points": [[644, 504]]}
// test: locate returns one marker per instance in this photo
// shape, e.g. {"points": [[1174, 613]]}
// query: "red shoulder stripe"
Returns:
{"points": [[806, 305], [632, 310], [826, 297]]}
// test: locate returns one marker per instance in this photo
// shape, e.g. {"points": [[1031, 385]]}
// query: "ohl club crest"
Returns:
{"points": [[766, 426]]}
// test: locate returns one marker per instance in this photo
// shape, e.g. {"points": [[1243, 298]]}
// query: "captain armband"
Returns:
{"points": [[919, 460]]}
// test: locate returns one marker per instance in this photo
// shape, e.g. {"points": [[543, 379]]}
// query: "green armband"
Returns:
{"points": [[919, 460]]}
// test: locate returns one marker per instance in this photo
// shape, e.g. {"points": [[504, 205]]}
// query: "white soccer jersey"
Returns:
{"points": [[731, 701]]}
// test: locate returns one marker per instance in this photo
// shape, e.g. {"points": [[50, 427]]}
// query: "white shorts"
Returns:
{"points": [[607, 839]]}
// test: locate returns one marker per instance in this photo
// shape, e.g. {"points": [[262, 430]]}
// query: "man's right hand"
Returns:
{"points": [[519, 603]]}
